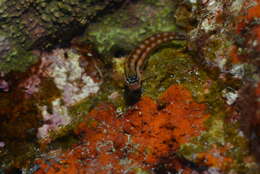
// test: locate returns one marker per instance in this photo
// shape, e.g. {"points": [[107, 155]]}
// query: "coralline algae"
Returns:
{"points": [[69, 77], [73, 82], [58, 118]]}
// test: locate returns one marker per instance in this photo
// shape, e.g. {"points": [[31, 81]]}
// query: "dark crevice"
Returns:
{"points": [[167, 165]]}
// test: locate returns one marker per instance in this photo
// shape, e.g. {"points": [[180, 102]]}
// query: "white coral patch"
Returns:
{"points": [[221, 62], [236, 6], [230, 96], [63, 65], [70, 78], [238, 70], [213, 170], [214, 8], [193, 1]]}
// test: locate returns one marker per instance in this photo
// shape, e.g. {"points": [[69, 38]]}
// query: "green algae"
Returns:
{"points": [[79, 110], [123, 29], [140, 171], [17, 60], [172, 66], [64, 141]]}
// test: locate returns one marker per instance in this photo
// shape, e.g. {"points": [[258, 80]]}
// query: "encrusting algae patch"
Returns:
{"points": [[135, 141]]}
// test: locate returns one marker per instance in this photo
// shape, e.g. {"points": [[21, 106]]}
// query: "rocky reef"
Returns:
{"points": [[197, 111], [26, 25]]}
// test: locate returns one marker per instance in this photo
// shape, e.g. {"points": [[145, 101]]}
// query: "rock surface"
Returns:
{"points": [[41, 24]]}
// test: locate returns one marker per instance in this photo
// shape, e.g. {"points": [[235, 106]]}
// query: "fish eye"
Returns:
{"points": [[132, 79]]}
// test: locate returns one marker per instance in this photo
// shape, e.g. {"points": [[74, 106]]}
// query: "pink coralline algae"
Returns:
{"points": [[2, 144], [4, 86], [32, 84], [70, 78], [53, 121], [63, 66]]}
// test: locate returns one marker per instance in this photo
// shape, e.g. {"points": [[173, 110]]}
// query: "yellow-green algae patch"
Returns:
{"points": [[173, 66], [18, 59], [130, 25]]}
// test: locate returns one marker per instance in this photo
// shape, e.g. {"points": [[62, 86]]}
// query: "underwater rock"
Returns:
{"points": [[40, 24], [118, 32], [73, 82], [131, 144], [36, 108], [197, 111]]}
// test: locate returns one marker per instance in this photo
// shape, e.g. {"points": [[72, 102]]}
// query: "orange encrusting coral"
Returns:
{"points": [[163, 131], [254, 12], [138, 139]]}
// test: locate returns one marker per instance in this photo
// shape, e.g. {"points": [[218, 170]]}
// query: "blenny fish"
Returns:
{"points": [[134, 65]]}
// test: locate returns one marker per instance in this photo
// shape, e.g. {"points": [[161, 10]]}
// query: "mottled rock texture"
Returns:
{"points": [[28, 24]]}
